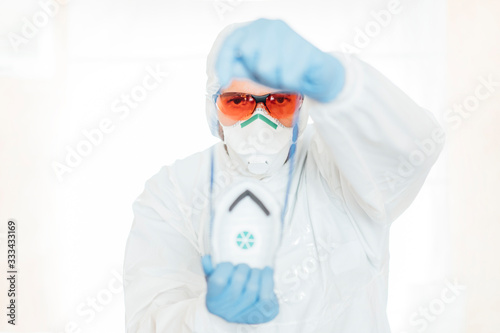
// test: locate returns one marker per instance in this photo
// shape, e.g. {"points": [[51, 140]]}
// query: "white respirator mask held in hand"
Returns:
{"points": [[246, 226]]}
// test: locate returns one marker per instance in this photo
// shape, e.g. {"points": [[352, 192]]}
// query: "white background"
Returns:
{"points": [[65, 77]]}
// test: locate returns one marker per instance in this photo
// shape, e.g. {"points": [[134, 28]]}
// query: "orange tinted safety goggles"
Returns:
{"points": [[240, 106]]}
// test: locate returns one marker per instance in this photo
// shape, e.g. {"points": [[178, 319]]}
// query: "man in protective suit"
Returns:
{"points": [[340, 181]]}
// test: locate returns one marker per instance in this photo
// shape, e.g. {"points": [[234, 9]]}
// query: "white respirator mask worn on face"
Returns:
{"points": [[259, 144]]}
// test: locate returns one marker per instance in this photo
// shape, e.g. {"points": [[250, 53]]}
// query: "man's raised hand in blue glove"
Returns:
{"points": [[240, 294], [271, 53]]}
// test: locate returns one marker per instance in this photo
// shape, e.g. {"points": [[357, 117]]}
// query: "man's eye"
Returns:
{"points": [[237, 100], [279, 99]]}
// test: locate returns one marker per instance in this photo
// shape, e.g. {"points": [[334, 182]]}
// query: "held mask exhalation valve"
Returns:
{"points": [[246, 226]]}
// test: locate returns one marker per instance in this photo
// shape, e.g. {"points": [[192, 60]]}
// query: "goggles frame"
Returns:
{"points": [[261, 99]]}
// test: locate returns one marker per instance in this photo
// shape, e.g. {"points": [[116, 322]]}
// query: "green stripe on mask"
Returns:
{"points": [[259, 116]]}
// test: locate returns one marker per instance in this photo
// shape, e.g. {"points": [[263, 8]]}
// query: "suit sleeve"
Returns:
{"points": [[164, 283], [373, 144]]}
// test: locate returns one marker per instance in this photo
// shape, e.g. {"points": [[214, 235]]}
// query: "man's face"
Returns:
{"points": [[249, 87]]}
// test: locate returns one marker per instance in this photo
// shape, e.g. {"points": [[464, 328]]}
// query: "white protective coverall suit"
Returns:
{"points": [[349, 184]]}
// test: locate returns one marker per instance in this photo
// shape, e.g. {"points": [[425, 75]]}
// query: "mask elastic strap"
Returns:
{"points": [[210, 198], [293, 147]]}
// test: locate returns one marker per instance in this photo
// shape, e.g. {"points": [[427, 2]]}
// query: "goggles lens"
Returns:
{"points": [[240, 106]]}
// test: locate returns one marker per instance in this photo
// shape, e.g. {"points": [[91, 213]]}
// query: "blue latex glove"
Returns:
{"points": [[271, 53], [240, 294]]}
